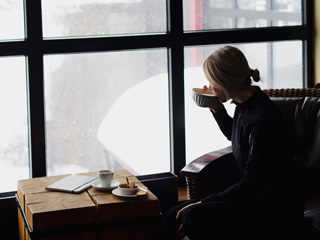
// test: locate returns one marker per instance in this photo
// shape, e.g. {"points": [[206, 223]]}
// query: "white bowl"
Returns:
{"points": [[203, 98], [124, 190]]}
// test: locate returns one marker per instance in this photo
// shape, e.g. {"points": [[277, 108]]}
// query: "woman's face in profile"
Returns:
{"points": [[219, 93]]}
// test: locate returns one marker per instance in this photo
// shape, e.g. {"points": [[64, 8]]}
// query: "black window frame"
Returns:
{"points": [[34, 47]]}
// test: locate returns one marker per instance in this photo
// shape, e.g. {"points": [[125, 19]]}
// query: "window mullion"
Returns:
{"points": [[33, 28], [176, 85], [308, 48]]}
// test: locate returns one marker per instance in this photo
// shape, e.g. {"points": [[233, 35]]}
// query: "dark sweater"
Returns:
{"points": [[260, 148]]}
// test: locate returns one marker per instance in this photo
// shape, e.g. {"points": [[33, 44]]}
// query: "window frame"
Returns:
{"points": [[34, 47]]}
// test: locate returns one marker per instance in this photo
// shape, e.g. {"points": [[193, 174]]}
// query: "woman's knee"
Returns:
{"points": [[193, 221], [203, 219]]}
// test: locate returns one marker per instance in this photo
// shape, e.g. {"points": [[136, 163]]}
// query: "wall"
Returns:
{"points": [[9, 218]]}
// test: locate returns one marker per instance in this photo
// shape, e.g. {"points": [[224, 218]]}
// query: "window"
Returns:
{"points": [[11, 20], [98, 17], [91, 84], [280, 65], [227, 14], [14, 151], [107, 109]]}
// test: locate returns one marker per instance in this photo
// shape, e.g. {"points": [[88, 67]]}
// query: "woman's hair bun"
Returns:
{"points": [[255, 74]]}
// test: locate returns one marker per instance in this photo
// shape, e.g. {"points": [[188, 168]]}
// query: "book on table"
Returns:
{"points": [[72, 184]]}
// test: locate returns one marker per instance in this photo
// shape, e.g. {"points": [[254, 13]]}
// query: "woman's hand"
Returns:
{"points": [[206, 88], [217, 105], [180, 232], [184, 208]]}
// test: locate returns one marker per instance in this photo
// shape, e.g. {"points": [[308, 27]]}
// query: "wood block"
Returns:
{"points": [[114, 234], [57, 209], [110, 207], [21, 227], [35, 185], [143, 231], [47, 210], [78, 236], [143, 206]]}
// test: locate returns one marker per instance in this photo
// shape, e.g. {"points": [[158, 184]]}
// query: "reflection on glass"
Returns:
{"points": [[107, 110], [13, 123], [221, 3], [255, 5], [220, 14], [286, 5], [280, 66], [11, 19], [70, 18], [287, 65], [251, 23]]}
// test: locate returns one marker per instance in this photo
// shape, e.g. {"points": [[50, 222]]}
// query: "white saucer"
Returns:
{"points": [[117, 193], [97, 185]]}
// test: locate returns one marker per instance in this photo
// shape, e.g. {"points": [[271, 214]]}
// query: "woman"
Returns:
{"points": [[264, 199]]}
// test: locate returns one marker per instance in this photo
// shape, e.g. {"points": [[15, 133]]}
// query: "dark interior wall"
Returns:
{"points": [[9, 218], [165, 187]]}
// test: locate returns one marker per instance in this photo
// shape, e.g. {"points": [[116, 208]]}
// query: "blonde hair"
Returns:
{"points": [[227, 68]]}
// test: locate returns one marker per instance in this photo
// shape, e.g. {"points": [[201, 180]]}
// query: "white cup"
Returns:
{"points": [[106, 177]]}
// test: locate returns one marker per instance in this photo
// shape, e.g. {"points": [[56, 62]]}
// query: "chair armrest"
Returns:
{"points": [[197, 165], [211, 173]]}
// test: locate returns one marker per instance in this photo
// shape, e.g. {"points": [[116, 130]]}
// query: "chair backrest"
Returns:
{"points": [[302, 114], [293, 92]]}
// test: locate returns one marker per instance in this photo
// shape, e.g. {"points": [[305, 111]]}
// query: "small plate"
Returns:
{"points": [[97, 185], [117, 193]]}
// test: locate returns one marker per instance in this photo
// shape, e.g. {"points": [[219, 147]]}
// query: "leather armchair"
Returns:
{"points": [[216, 170]]}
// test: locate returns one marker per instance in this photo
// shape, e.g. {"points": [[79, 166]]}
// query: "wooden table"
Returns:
{"points": [[91, 214]]}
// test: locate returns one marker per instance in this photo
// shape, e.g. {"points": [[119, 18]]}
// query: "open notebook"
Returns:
{"points": [[72, 183]]}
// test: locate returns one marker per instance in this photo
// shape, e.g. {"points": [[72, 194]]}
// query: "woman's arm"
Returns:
{"points": [[220, 114], [224, 121]]}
